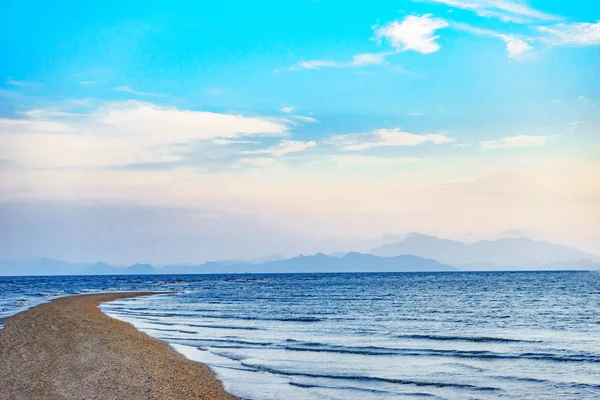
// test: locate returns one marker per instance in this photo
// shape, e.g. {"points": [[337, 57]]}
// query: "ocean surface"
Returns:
{"points": [[477, 335]]}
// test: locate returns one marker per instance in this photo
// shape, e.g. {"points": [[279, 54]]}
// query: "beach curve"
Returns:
{"points": [[69, 349]]}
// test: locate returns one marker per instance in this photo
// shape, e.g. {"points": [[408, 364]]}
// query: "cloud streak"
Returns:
{"points": [[575, 34], [127, 89], [285, 147], [505, 10], [514, 142], [563, 34], [384, 138], [13, 82], [358, 60], [516, 46]]}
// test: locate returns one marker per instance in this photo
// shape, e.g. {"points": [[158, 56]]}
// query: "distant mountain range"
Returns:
{"points": [[414, 253], [48, 266], [519, 253], [351, 262]]}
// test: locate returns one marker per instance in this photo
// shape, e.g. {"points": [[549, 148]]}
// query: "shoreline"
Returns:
{"points": [[69, 349]]}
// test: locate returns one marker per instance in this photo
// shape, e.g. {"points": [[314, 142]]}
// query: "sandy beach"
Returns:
{"points": [[68, 349]]}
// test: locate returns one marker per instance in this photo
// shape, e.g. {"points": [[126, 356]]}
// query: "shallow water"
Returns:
{"points": [[501, 335]]}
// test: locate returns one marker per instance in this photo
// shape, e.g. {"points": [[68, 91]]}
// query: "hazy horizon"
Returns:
{"points": [[516, 252]]}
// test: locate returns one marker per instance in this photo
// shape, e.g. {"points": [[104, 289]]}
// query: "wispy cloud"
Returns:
{"points": [[516, 46], [126, 133], [573, 126], [505, 10], [127, 89], [563, 34], [316, 64], [385, 137], [575, 34], [285, 147], [92, 82], [514, 142], [358, 60], [227, 142], [416, 33], [13, 82], [303, 118], [286, 109]]}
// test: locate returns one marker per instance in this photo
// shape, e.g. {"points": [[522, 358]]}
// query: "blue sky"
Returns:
{"points": [[462, 118]]}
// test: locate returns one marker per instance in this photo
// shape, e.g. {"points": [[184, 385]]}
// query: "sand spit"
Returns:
{"points": [[69, 349]]}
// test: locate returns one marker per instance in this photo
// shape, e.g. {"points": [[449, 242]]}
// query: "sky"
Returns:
{"points": [[186, 131]]}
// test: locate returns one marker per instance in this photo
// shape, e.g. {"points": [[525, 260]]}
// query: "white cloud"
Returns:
{"points": [[226, 142], [303, 118], [285, 147], [385, 137], [148, 119], [92, 82], [515, 46], [122, 133], [286, 109], [127, 89], [290, 146], [315, 64], [45, 126], [514, 142], [576, 34], [415, 33], [506, 10], [358, 60]]}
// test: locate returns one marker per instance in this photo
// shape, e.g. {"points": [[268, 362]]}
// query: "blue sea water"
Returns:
{"points": [[477, 335]]}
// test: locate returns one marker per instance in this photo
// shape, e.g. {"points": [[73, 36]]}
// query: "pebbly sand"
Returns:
{"points": [[68, 349]]}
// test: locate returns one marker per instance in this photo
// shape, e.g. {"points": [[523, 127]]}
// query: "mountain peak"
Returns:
{"points": [[521, 252]]}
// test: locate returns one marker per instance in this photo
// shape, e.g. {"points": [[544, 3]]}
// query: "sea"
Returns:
{"points": [[454, 335]]}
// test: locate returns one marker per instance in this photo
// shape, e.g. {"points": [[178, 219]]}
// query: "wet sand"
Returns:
{"points": [[68, 349]]}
